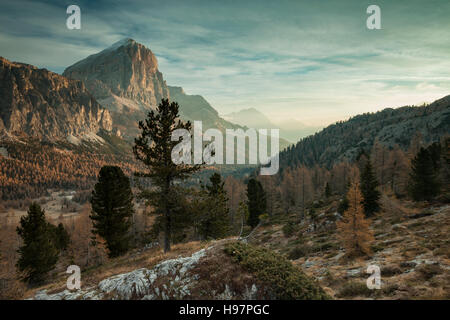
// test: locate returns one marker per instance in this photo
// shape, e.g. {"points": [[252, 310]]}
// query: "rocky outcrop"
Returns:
{"points": [[125, 74], [214, 272], [170, 279], [138, 284], [45, 105]]}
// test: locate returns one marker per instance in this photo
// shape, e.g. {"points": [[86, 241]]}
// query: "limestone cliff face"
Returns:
{"points": [[124, 78], [45, 105], [123, 75]]}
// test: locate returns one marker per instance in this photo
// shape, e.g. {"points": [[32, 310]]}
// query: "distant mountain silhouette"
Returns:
{"points": [[291, 130]]}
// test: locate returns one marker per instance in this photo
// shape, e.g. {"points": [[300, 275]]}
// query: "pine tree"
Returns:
{"points": [[344, 203], [313, 216], [445, 163], [256, 201], [370, 193], [112, 208], [424, 180], [154, 149], [61, 236], [38, 254], [327, 190], [353, 228], [215, 221]]}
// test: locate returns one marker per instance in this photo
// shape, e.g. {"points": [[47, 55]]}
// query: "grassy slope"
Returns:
{"points": [[412, 252]]}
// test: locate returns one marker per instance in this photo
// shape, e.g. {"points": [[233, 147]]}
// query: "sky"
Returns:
{"points": [[311, 61]]}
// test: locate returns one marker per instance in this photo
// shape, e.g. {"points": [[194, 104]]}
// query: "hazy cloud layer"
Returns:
{"points": [[314, 61]]}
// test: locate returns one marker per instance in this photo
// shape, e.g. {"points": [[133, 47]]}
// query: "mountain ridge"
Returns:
{"points": [[46, 105], [290, 130], [344, 140], [126, 80]]}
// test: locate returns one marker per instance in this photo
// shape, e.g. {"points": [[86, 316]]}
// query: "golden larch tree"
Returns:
{"points": [[353, 228]]}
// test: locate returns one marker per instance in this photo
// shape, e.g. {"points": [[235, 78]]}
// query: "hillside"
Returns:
{"points": [[216, 270], [29, 168], [345, 139], [411, 248]]}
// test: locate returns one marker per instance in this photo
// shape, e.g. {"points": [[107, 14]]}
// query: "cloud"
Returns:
{"points": [[312, 61]]}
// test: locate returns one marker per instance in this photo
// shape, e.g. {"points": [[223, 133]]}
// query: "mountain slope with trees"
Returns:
{"points": [[344, 140]]}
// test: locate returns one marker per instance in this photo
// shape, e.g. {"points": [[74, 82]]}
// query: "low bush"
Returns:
{"points": [[389, 271], [428, 271], [298, 252], [285, 280], [289, 229], [354, 289], [324, 247]]}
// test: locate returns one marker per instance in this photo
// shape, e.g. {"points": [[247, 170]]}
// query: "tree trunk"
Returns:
{"points": [[168, 226], [167, 232]]}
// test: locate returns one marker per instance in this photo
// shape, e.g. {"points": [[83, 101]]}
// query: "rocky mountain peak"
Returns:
{"points": [[125, 70]]}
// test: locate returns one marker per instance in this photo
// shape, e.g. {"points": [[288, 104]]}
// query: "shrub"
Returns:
{"points": [[377, 247], [353, 289], [298, 252], [324, 247], [428, 271], [390, 289], [289, 229], [389, 271], [286, 281]]}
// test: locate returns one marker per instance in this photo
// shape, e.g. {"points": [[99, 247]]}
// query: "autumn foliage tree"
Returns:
{"points": [[353, 228]]}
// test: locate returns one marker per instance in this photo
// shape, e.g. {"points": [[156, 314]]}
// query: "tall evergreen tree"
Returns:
{"points": [[327, 190], [344, 203], [217, 185], [424, 179], [112, 209], [39, 253], [370, 193], [154, 149], [256, 201], [214, 223], [60, 235]]}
